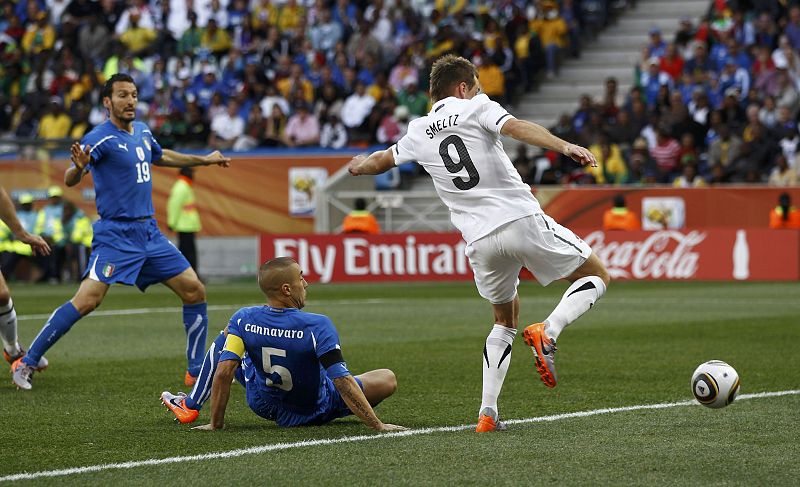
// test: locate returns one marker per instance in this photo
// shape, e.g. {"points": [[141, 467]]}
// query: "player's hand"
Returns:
{"points": [[352, 166], [80, 157], [217, 158], [386, 428], [581, 155], [37, 243], [205, 427]]}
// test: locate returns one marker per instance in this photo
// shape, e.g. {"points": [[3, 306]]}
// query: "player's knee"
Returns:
{"points": [[86, 304], [195, 293], [390, 381], [5, 296]]}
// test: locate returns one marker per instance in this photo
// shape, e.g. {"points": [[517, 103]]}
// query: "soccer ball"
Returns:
{"points": [[715, 384]]}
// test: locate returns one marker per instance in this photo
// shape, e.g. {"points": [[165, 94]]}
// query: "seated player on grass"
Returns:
{"points": [[289, 362]]}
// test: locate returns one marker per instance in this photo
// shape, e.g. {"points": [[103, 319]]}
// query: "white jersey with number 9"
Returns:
{"points": [[458, 144]]}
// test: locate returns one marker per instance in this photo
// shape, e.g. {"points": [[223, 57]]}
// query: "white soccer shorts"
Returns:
{"points": [[535, 242]]}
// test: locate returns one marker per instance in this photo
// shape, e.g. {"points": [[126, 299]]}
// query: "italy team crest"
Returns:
{"points": [[108, 269], [146, 143]]}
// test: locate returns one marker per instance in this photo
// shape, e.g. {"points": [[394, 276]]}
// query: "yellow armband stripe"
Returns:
{"points": [[234, 344]]}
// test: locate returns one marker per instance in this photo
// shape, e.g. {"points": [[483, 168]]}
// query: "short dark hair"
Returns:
{"points": [[360, 204], [117, 78], [449, 71]]}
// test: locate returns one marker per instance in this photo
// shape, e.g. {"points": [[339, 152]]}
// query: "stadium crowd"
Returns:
{"points": [[718, 103], [241, 74]]}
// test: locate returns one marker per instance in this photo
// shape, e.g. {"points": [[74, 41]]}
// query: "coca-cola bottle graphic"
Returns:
{"points": [[741, 257]]}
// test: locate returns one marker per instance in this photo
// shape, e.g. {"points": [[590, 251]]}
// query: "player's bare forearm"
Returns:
{"points": [[376, 163], [171, 158], [354, 397], [221, 392], [73, 176], [8, 214], [534, 134]]}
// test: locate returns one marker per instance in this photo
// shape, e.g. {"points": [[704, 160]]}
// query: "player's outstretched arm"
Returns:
{"points": [[355, 399], [534, 134], [9, 215], [220, 393], [376, 163], [80, 158], [171, 158]]}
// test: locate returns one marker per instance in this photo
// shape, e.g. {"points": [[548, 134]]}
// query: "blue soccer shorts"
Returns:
{"points": [[332, 405], [132, 253]]}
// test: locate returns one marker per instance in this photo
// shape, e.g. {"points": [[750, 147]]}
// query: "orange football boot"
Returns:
{"points": [[544, 350]]}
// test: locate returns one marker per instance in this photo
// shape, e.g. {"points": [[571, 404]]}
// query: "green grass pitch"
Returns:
{"points": [[98, 402]]}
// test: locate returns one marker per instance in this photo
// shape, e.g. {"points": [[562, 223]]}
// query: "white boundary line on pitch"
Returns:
{"points": [[334, 302], [352, 439]]}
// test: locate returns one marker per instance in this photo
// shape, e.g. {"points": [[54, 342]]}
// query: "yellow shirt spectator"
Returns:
{"points": [[287, 86], [551, 31], [492, 79], [215, 39], [38, 38], [54, 126], [288, 16], [611, 168], [137, 39]]}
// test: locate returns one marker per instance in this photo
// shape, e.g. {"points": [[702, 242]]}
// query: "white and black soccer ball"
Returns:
{"points": [[715, 384]]}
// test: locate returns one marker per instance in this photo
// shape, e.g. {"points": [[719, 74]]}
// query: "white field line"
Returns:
{"points": [[353, 439], [349, 302]]}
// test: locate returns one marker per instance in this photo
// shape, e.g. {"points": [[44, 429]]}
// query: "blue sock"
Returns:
{"points": [[195, 320], [202, 388], [59, 323]]}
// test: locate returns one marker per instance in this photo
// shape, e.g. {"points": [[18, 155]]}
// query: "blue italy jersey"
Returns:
{"points": [[120, 166], [284, 345]]}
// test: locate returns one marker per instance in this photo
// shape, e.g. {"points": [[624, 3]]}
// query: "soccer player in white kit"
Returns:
{"points": [[458, 143]]}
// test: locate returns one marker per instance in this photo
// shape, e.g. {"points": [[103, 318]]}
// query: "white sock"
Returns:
{"points": [[496, 358], [578, 299], [8, 328]]}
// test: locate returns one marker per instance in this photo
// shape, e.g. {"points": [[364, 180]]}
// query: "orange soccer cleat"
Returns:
{"points": [[177, 404], [189, 379], [544, 351], [43, 363], [488, 422]]}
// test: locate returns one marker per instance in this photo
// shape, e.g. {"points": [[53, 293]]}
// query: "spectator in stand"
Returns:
{"points": [[792, 28], [215, 40], [303, 128], [491, 78], [665, 153], [253, 132], [357, 107], [551, 29], [360, 220], [275, 125], [39, 36], [412, 98], [689, 178], [296, 83], [672, 62], [333, 134], [192, 37], [784, 215], [226, 127], [94, 39], [55, 125], [393, 126], [782, 174], [611, 168], [735, 77], [725, 148], [326, 32], [619, 217], [657, 47], [138, 38], [652, 80]]}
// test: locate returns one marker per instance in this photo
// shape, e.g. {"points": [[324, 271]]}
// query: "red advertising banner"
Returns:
{"points": [[710, 254]]}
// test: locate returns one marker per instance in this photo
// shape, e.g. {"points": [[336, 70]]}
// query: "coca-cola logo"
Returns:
{"points": [[663, 254]]}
